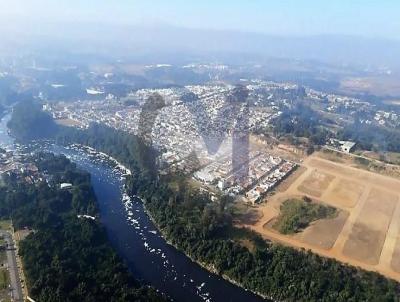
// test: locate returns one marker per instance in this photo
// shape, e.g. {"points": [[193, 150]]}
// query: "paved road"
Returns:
{"points": [[16, 289]]}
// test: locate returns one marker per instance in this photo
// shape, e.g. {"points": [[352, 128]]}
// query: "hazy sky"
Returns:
{"points": [[281, 17]]}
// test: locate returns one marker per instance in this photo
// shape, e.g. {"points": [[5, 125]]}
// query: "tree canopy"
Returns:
{"points": [[66, 258]]}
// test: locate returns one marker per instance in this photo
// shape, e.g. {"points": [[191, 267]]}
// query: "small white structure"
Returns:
{"points": [[347, 146], [65, 185], [86, 217], [204, 176], [343, 146]]}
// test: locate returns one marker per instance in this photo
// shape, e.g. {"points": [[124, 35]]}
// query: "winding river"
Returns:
{"points": [[136, 239]]}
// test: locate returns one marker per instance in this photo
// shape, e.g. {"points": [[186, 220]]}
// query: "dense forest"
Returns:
{"points": [[371, 137], [66, 258], [302, 121]]}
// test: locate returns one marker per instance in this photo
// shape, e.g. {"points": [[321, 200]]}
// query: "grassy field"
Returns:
{"points": [[4, 279], [68, 122], [384, 85], [5, 225], [298, 214], [367, 160], [4, 282], [386, 157]]}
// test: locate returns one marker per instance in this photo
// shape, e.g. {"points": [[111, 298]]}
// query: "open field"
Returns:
{"points": [[4, 283], [5, 225], [323, 233], [368, 234], [366, 230], [392, 102], [387, 157], [381, 86], [68, 122], [4, 280], [316, 183], [366, 160], [345, 193]]}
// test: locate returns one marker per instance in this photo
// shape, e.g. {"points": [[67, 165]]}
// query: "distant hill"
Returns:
{"points": [[171, 44], [29, 122]]}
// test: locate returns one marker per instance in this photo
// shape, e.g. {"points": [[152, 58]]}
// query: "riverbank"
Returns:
{"points": [[146, 252], [127, 200], [204, 265], [68, 237], [102, 156]]}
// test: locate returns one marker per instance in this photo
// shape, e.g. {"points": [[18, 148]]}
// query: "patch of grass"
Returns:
{"points": [[3, 257], [4, 279], [244, 237], [5, 225], [297, 214], [333, 156], [248, 244], [362, 161]]}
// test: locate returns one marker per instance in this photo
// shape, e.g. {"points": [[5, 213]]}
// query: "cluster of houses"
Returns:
{"points": [[366, 112], [12, 163], [18, 165], [263, 173], [196, 120], [190, 116]]}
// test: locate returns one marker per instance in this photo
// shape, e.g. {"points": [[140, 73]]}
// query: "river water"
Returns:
{"points": [[136, 239]]}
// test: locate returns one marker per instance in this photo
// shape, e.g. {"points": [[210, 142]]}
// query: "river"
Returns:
{"points": [[136, 239]]}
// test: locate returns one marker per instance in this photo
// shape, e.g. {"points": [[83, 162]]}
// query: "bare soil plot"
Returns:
{"points": [[367, 160], [392, 102], [361, 176], [384, 85], [323, 233], [286, 183], [22, 234], [366, 231], [68, 122], [368, 234], [345, 193], [316, 183]]}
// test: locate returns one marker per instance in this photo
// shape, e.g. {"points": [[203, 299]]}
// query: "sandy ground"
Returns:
{"points": [[68, 122], [373, 164], [344, 193], [323, 233], [316, 183], [366, 232]]}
